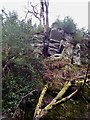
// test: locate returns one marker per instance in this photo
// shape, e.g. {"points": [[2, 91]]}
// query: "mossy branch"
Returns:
{"points": [[39, 113], [66, 98], [38, 107], [54, 103], [19, 113], [59, 95]]}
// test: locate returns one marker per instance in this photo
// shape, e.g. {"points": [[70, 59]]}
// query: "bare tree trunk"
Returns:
{"points": [[47, 19], [42, 11]]}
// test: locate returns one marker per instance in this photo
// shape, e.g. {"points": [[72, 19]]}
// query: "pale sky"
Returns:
{"points": [[76, 9]]}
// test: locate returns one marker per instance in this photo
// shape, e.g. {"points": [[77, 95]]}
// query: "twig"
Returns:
{"points": [[18, 105], [8, 62], [33, 12]]}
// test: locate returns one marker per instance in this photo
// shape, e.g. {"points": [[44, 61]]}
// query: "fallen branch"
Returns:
{"points": [[82, 81], [19, 113], [38, 107], [80, 77], [46, 109], [41, 112], [67, 98]]}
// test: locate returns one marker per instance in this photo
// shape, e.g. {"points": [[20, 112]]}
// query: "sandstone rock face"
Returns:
{"points": [[37, 45], [77, 55], [56, 36], [85, 49], [55, 41], [67, 51]]}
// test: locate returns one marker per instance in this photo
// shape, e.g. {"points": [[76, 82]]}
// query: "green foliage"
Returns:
{"points": [[68, 25], [23, 73], [57, 24], [15, 31], [38, 28], [74, 109], [78, 36]]}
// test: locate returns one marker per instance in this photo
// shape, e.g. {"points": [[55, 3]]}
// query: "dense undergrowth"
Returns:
{"points": [[22, 71]]}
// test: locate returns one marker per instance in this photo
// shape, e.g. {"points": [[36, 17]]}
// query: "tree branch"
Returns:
{"points": [[57, 100], [38, 107], [66, 98], [59, 95], [18, 112], [33, 12], [41, 112]]}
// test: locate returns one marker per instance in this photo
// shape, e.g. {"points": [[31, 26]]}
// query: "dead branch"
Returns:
{"points": [[19, 113], [35, 14], [3, 11], [8, 62], [34, 8], [38, 107], [39, 113], [59, 96], [34, 11], [66, 98]]}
